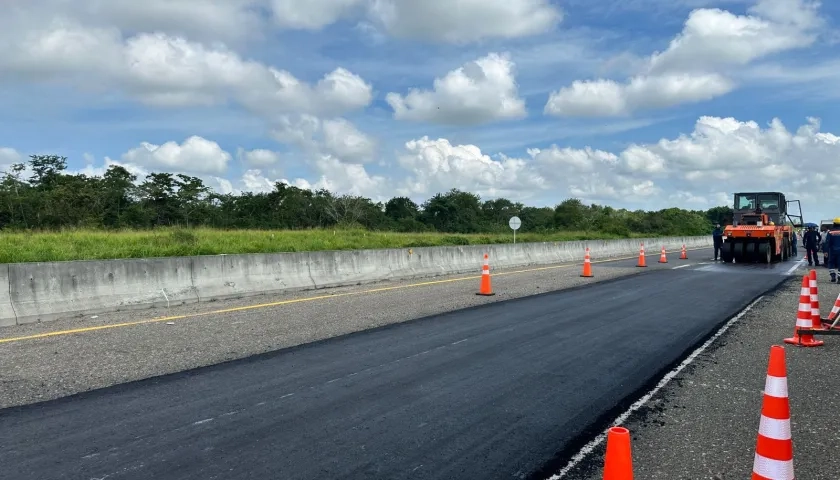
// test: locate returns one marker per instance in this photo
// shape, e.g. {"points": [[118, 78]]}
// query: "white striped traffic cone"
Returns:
{"points": [[774, 448], [815, 300], [803, 318], [834, 315]]}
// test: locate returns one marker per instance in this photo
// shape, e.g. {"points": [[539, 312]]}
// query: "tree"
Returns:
{"points": [[570, 214], [52, 199]]}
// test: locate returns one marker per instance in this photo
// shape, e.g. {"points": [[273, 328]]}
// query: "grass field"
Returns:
{"points": [[90, 245]]}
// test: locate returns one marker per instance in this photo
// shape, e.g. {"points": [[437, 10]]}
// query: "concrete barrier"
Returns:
{"points": [[39, 292]]}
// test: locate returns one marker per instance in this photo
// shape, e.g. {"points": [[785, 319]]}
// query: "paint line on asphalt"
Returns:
{"points": [[57, 333], [592, 445], [795, 266], [681, 266]]}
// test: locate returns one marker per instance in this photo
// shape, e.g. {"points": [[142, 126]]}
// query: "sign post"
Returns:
{"points": [[514, 224]]}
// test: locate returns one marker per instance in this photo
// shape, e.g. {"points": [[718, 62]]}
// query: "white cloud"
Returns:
{"points": [[715, 38], [312, 14], [459, 21], [201, 19], [163, 70], [437, 165], [725, 155], [601, 98], [259, 157], [478, 92], [196, 155], [697, 170], [9, 156], [254, 181], [697, 62], [344, 140]]}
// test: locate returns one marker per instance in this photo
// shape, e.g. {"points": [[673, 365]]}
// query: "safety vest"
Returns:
{"points": [[835, 240]]}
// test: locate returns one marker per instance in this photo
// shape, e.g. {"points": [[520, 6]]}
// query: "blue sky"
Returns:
{"points": [[90, 80]]}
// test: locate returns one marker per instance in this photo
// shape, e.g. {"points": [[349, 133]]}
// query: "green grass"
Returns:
{"points": [[92, 244]]}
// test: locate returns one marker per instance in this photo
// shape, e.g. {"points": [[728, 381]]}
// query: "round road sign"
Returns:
{"points": [[515, 223]]}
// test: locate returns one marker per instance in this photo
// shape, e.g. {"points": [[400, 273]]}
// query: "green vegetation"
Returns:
{"points": [[163, 242], [53, 216]]}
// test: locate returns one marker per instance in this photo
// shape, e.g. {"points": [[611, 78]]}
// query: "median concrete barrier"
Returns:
{"points": [[33, 292], [42, 292], [217, 277]]}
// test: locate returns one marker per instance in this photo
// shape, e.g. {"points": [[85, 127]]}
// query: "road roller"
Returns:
{"points": [[761, 228]]}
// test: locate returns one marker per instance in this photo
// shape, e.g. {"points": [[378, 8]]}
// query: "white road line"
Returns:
{"points": [[681, 266], [590, 447], [795, 266]]}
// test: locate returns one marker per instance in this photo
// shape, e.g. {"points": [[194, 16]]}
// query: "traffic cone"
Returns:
{"points": [[803, 318], [662, 257], [834, 315], [815, 301], [486, 289], [642, 262], [774, 447], [618, 462], [587, 265], [683, 254]]}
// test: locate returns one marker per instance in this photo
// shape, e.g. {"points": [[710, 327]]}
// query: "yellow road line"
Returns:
{"points": [[300, 300]]}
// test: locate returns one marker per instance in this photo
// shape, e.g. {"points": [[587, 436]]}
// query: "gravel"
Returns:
{"points": [[704, 424], [50, 367]]}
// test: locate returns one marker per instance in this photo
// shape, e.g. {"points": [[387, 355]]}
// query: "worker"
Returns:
{"points": [[832, 241], [717, 238], [794, 238], [824, 247], [811, 242]]}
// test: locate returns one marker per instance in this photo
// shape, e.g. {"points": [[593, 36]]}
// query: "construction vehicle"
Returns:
{"points": [[761, 228]]}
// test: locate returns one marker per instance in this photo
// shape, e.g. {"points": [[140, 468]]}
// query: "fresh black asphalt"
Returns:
{"points": [[489, 392]]}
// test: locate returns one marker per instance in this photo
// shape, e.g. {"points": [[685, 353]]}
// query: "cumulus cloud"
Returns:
{"points": [[700, 169], [195, 154], [696, 64], [602, 98], [430, 20], [236, 20], [344, 140], [459, 21], [259, 157], [164, 70], [312, 14], [720, 155], [478, 92], [437, 165], [200, 19]]}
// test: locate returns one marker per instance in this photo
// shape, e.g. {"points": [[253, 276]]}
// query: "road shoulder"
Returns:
{"points": [[704, 423]]}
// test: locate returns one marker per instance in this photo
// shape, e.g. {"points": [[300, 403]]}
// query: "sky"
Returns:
{"points": [[630, 103]]}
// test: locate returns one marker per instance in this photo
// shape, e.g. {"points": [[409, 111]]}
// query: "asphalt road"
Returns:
{"points": [[494, 391]]}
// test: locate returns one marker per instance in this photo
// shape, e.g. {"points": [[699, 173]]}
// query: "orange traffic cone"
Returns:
{"points": [[683, 254], [662, 257], [834, 315], [587, 265], [774, 447], [803, 318], [618, 463], [815, 301], [642, 262], [486, 289]]}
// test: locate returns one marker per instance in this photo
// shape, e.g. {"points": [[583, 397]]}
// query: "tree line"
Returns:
{"points": [[52, 199]]}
